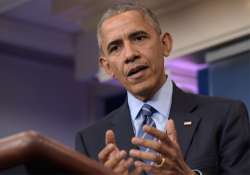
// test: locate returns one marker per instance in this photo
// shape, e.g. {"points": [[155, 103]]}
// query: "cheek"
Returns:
{"points": [[117, 70], [153, 50], [155, 58]]}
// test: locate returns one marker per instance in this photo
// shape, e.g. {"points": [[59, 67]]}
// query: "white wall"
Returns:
{"points": [[206, 23]]}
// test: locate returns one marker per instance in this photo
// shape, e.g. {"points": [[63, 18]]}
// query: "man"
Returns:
{"points": [[185, 134]]}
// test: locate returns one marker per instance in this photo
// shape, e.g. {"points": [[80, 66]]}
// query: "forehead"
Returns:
{"points": [[124, 23]]}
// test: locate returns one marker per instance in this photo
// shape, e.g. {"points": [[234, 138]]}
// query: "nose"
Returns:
{"points": [[131, 53]]}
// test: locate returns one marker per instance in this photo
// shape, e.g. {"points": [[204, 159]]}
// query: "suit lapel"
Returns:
{"points": [[185, 133], [123, 128], [182, 111]]}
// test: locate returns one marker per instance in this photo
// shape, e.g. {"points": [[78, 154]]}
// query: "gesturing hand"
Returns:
{"points": [[168, 160], [113, 158]]}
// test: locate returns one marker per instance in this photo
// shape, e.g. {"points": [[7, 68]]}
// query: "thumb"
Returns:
{"points": [[171, 131], [110, 137]]}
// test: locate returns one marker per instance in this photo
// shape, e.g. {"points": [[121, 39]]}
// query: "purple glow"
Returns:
{"points": [[184, 73], [183, 65]]}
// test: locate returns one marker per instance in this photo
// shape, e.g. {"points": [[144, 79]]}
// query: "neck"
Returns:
{"points": [[145, 96]]}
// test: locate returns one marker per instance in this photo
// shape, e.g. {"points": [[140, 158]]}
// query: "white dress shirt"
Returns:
{"points": [[161, 101]]}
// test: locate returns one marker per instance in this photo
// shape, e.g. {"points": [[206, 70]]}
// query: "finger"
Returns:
{"points": [[145, 167], [154, 145], [171, 131], [169, 164], [137, 171], [123, 166], [156, 158], [163, 137], [151, 169], [139, 166], [105, 152], [115, 160], [110, 137], [145, 155], [120, 167], [154, 170]]}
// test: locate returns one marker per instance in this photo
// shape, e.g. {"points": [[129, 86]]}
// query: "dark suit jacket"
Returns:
{"points": [[218, 141]]}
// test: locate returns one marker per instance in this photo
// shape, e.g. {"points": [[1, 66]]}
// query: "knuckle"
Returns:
{"points": [[106, 164], [138, 153], [119, 170], [174, 154], [142, 142], [158, 146], [165, 138], [150, 168], [156, 158], [123, 167], [117, 157], [170, 163]]}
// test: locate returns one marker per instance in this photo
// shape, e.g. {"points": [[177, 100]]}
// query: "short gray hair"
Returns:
{"points": [[124, 7]]}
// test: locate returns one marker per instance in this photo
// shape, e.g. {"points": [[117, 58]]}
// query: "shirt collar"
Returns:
{"points": [[160, 101], [135, 105]]}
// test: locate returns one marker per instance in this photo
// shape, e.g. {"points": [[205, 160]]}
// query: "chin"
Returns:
{"points": [[142, 90]]}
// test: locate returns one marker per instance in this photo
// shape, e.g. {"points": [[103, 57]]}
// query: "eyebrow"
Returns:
{"points": [[136, 33], [131, 35]]}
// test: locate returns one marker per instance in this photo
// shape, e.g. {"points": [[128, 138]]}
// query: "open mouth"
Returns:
{"points": [[136, 70]]}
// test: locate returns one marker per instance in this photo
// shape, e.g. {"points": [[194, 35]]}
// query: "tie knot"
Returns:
{"points": [[147, 110]]}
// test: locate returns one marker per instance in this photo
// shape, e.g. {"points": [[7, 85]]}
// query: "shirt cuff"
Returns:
{"points": [[198, 172]]}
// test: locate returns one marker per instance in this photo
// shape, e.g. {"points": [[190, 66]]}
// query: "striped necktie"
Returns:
{"points": [[146, 112]]}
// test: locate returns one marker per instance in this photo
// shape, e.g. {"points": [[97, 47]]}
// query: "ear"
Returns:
{"points": [[104, 63], [167, 43]]}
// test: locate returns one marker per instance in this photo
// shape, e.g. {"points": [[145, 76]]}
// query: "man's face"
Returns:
{"points": [[133, 53]]}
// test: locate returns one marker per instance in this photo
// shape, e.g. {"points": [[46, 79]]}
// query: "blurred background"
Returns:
{"points": [[49, 76]]}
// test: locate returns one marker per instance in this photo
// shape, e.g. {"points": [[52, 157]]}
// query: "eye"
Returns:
{"points": [[140, 37], [113, 48]]}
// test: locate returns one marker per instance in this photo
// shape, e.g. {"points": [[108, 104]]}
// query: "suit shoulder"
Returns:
{"points": [[102, 124], [91, 139], [215, 100], [220, 106]]}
